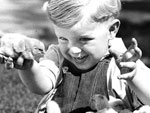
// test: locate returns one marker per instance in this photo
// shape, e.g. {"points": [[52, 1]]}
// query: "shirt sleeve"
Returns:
{"points": [[52, 61], [120, 89], [53, 53]]}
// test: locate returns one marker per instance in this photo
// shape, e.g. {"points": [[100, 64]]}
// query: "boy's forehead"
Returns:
{"points": [[84, 24], [78, 29]]}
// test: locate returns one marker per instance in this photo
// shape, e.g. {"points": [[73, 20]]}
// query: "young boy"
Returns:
{"points": [[83, 63]]}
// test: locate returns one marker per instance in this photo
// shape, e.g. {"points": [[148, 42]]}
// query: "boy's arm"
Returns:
{"points": [[39, 79], [140, 82], [18, 51], [134, 71]]}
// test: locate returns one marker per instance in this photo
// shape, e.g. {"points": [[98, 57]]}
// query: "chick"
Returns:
{"points": [[15, 44], [99, 102]]}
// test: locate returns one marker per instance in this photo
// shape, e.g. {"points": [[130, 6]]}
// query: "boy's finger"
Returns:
{"points": [[129, 65], [20, 61], [127, 76], [27, 55], [9, 63], [25, 60], [138, 52], [134, 42], [126, 67]]}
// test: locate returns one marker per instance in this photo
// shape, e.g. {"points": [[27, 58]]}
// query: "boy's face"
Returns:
{"points": [[84, 44]]}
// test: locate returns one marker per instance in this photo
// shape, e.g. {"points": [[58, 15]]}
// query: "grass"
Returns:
{"points": [[14, 96]]}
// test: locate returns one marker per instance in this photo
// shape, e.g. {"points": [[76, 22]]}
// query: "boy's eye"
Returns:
{"points": [[85, 39], [62, 38]]}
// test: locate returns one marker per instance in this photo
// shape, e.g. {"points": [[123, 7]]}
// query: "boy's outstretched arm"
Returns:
{"points": [[18, 51], [134, 71]]}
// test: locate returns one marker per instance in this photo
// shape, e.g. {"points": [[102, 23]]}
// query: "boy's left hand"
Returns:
{"points": [[127, 61], [19, 51]]}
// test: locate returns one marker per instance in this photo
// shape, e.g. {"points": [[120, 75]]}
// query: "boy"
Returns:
{"points": [[81, 65]]}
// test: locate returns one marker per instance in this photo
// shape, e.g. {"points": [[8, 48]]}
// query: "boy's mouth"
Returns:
{"points": [[80, 59]]}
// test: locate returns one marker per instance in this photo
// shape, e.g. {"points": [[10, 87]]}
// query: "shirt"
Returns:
{"points": [[118, 90]]}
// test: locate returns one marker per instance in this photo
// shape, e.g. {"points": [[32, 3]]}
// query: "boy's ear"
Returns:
{"points": [[114, 27]]}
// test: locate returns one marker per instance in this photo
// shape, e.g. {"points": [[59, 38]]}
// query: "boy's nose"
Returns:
{"points": [[75, 51]]}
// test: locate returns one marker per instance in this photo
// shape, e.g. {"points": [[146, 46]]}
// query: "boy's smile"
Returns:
{"points": [[80, 59], [84, 45]]}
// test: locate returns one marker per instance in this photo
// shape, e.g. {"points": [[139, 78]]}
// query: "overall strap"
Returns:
{"points": [[91, 83]]}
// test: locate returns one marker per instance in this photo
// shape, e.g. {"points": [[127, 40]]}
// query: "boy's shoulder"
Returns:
{"points": [[117, 44], [53, 53]]}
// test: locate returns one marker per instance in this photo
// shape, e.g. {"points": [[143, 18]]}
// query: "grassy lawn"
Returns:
{"points": [[14, 96]]}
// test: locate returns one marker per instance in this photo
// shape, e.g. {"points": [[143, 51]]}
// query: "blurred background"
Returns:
{"points": [[27, 17]]}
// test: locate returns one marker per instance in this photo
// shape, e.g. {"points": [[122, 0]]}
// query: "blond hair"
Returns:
{"points": [[66, 13]]}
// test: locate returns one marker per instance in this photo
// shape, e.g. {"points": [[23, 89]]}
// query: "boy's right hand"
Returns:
{"points": [[18, 51], [127, 61]]}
